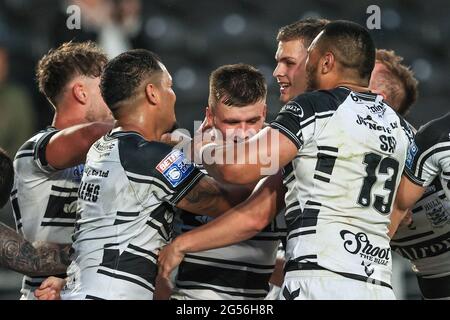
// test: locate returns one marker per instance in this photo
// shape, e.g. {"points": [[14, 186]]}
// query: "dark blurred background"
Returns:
{"points": [[195, 37]]}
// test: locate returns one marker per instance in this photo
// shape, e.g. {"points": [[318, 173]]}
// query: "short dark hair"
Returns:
{"points": [[305, 29], [400, 83], [125, 73], [60, 65], [238, 85], [6, 177], [351, 44]]}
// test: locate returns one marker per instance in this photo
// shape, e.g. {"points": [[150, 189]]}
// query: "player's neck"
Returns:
{"points": [[354, 86], [63, 120], [68, 113], [147, 129]]}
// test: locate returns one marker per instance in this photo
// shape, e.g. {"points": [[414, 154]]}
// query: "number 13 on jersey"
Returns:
{"points": [[376, 168]]}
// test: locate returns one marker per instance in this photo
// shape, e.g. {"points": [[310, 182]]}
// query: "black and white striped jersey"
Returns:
{"points": [[43, 198], [426, 242], [124, 215], [351, 152], [429, 155], [237, 272]]}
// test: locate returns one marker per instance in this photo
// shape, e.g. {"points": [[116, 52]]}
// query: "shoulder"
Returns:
{"points": [[434, 132], [316, 102], [407, 128], [432, 139], [135, 144], [37, 143], [149, 158], [137, 154], [433, 136]]}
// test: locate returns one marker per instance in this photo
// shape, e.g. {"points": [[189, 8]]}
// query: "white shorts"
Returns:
{"points": [[327, 285], [274, 292]]}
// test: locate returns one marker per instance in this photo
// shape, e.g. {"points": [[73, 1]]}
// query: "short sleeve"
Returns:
{"points": [[300, 118], [296, 122], [40, 148], [423, 157], [157, 168]]}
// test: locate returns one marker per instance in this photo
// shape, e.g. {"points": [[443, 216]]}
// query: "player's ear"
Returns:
{"points": [[265, 112], [209, 116], [327, 63], [152, 94], [79, 93]]}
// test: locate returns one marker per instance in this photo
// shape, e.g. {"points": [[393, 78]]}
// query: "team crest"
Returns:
{"points": [[436, 213]]}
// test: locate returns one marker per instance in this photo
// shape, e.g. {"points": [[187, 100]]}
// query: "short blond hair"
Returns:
{"points": [[305, 30]]}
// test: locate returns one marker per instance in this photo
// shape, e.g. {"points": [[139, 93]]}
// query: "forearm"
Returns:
{"points": [[397, 216], [230, 228], [18, 254], [239, 223], [212, 198], [246, 162], [234, 163], [54, 258], [233, 173], [408, 193]]}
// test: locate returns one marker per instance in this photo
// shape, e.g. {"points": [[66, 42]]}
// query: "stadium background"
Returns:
{"points": [[195, 37]]}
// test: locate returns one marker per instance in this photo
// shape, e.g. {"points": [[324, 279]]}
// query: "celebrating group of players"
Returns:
{"points": [[106, 183]]}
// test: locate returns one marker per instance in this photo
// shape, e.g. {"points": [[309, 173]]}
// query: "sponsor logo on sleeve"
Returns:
{"points": [[77, 173], [293, 108], [412, 151], [175, 167]]}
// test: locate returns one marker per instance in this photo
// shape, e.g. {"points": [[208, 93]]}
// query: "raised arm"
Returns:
{"points": [[69, 147], [238, 224], [19, 255], [241, 163], [272, 148]]}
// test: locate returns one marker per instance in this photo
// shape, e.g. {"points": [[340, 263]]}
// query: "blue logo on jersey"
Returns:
{"points": [[175, 167], [412, 151], [78, 172]]}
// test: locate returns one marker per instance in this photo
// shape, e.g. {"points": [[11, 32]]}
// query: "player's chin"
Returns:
{"points": [[284, 98]]}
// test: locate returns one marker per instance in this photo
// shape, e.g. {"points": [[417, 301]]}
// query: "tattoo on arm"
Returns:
{"points": [[208, 197], [205, 194], [20, 255]]}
